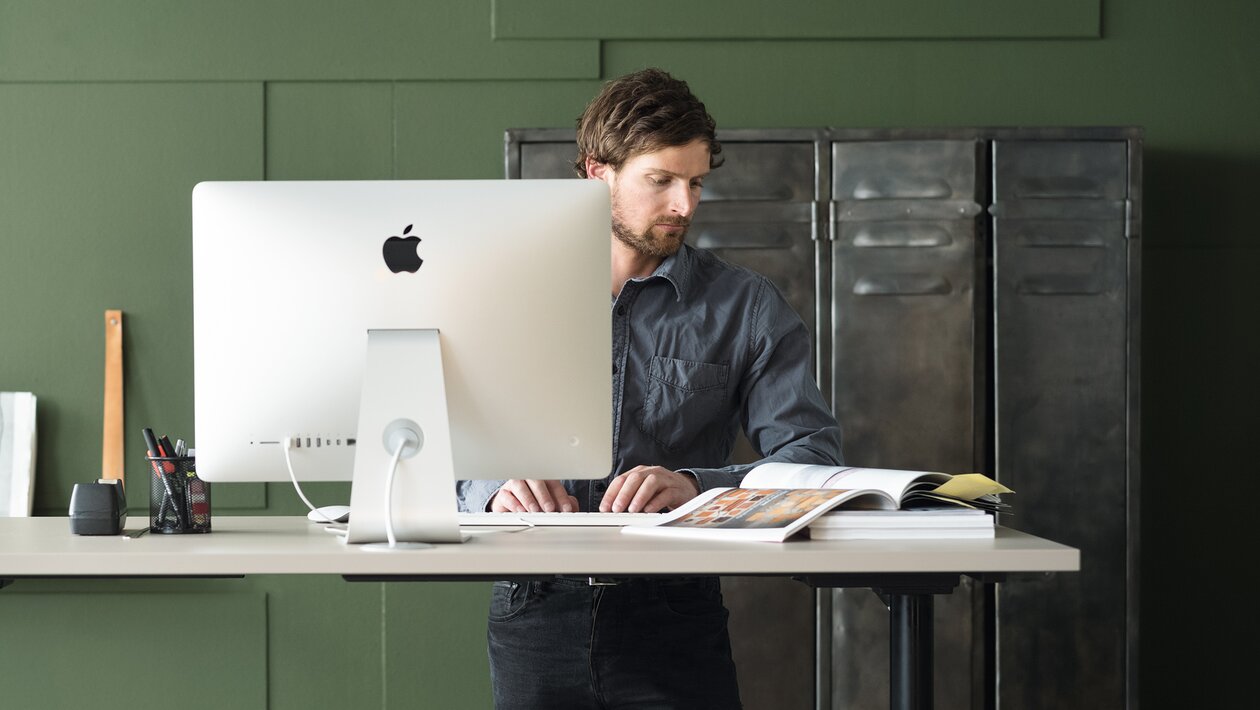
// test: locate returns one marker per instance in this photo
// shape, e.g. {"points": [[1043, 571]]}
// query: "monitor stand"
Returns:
{"points": [[403, 402]]}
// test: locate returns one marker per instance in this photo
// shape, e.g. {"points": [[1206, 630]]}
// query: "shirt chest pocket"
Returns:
{"points": [[684, 398]]}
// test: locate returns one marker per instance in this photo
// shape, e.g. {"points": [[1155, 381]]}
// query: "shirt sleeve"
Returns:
{"points": [[474, 496], [782, 412]]}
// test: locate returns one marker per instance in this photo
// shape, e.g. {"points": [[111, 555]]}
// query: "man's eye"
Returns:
{"points": [[660, 181]]}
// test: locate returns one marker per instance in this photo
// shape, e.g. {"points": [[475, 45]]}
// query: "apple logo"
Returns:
{"points": [[400, 253]]}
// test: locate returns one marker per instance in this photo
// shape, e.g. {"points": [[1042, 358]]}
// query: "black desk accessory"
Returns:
{"points": [[98, 508]]}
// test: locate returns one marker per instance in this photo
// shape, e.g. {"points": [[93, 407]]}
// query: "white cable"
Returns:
{"points": [[288, 462], [389, 492]]}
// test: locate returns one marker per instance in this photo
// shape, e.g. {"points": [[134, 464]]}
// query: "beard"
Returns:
{"points": [[651, 242]]}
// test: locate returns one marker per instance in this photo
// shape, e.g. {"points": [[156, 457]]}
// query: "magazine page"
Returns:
{"points": [[971, 486], [771, 514], [894, 482]]}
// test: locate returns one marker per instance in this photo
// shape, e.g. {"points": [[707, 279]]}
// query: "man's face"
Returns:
{"points": [[654, 196]]}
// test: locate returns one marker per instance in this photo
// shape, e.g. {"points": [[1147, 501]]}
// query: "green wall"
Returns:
{"points": [[111, 112]]}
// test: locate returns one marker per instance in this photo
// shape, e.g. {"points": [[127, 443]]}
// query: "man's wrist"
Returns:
{"points": [[693, 478]]}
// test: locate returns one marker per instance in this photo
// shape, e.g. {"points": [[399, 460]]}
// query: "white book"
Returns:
{"points": [[17, 453], [918, 518], [901, 533]]}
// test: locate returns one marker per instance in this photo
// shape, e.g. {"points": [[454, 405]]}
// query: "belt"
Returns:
{"points": [[595, 581], [614, 581], [603, 581]]}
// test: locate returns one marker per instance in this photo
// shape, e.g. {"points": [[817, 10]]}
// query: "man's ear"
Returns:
{"points": [[596, 170]]}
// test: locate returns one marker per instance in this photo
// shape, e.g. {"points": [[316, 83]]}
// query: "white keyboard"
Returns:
{"points": [[557, 519]]}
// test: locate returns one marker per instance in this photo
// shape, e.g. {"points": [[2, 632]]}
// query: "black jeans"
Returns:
{"points": [[642, 643]]}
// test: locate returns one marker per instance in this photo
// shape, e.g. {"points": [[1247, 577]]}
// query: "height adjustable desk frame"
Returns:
{"points": [[906, 573]]}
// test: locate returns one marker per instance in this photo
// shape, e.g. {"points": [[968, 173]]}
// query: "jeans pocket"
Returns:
{"points": [[683, 398], [695, 599], [508, 599]]}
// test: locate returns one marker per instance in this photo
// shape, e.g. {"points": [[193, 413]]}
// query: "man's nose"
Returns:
{"points": [[682, 201]]}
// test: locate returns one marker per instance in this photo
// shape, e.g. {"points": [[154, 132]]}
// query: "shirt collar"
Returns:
{"points": [[676, 269]]}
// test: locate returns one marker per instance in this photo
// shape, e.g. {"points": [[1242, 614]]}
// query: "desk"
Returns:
{"points": [[907, 572]]}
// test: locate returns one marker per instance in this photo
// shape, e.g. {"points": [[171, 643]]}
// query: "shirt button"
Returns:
{"points": [[621, 310]]}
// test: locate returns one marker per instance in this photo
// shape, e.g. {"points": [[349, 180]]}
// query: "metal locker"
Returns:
{"points": [[907, 291], [1065, 259], [904, 259], [942, 348]]}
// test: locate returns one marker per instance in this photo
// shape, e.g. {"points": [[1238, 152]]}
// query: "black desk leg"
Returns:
{"points": [[909, 601], [910, 661]]}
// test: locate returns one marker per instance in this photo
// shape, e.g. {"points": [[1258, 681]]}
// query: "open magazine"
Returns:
{"points": [[778, 500]]}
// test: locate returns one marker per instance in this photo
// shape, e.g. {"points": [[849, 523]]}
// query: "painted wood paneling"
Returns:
{"points": [[434, 636], [95, 213], [450, 130], [319, 40], [797, 19], [73, 647], [330, 131]]}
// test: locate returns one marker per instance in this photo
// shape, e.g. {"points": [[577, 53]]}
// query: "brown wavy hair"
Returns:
{"points": [[641, 113]]}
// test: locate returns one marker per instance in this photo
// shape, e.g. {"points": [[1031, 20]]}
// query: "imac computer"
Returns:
{"points": [[401, 335]]}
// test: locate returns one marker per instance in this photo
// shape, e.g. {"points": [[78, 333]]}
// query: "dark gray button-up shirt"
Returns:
{"points": [[701, 349]]}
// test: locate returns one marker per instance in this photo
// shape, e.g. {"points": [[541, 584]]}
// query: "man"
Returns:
{"points": [[701, 349]]}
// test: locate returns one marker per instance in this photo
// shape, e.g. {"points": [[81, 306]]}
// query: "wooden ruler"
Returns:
{"points": [[112, 448]]}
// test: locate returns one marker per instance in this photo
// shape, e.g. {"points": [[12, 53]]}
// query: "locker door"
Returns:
{"points": [[1062, 346], [907, 289]]}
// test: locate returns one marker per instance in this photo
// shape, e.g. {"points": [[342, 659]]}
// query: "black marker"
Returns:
{"points": [[159, 469]]}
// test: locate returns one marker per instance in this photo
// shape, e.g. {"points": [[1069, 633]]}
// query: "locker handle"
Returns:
{"points": [[1060, 285], [900, 187], [902, 285], [901, 235], [1061, 187]]}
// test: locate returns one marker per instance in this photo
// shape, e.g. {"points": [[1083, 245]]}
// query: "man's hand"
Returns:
{"points": [[648, 489], [530, 496]]}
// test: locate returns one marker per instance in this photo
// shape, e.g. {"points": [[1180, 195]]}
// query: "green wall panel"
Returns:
{"points": [[796, 19], [330, 131], [95, 214], [324, 642], [435, 643], [107, 650], [452, 130], [56, 40]]}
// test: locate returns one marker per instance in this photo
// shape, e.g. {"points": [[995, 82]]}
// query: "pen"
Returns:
{"points": [[180, 486], [159, 470], [168, 450], [179, 489]]}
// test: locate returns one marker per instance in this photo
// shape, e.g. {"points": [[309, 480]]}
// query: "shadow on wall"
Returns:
{"points": [[1200, 389]]}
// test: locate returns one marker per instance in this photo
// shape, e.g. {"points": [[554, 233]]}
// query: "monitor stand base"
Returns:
{"points": [[403, 380]]}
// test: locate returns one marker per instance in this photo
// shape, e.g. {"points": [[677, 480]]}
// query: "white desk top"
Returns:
{"points": [[44, 547]]}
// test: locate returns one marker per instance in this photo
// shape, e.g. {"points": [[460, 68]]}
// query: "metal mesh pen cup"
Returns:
{"points": [[179, 501]]}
